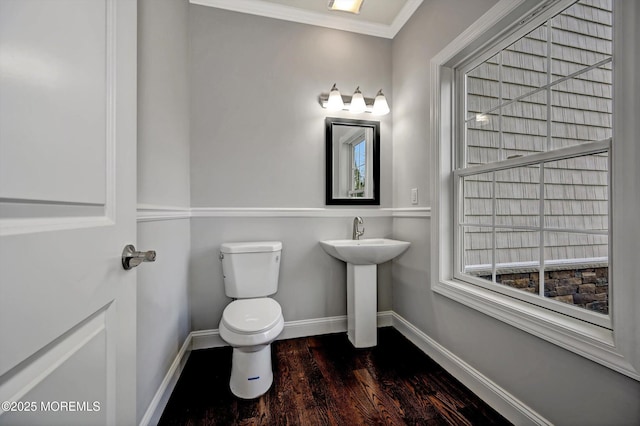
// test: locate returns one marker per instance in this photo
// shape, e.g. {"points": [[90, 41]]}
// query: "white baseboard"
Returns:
{"points": [[498, 398], [313, 327], [205, 339], [514, 410], [160, 399]]}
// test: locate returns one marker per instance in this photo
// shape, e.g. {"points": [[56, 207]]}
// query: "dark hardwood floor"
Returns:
{"points": [[323, 380]]}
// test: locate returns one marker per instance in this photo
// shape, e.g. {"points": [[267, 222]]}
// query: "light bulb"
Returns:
{"points": [[335, 103], [352, 6], [357, 102], [380, 105]]}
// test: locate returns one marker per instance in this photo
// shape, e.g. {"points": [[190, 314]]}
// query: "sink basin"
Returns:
{"points": [[369, 251]]}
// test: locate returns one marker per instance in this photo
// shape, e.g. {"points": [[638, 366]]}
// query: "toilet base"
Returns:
{"points": [[251, 372]]}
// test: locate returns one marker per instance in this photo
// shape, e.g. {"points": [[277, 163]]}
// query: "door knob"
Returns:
{"points": [[132, 258]]}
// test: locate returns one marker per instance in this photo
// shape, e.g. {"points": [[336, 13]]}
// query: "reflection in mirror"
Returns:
{"points": [[353, 161]]}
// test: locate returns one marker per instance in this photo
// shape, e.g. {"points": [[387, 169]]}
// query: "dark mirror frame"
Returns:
{"points": [[375, 125]]}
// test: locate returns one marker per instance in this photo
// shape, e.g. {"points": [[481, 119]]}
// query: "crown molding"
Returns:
{"points": [[294, 14]]}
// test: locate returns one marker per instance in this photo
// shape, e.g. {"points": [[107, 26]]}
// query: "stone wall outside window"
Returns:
{"points": [[586, 287]]}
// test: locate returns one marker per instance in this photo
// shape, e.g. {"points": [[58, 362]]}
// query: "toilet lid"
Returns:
{"points": [[251, 315]]}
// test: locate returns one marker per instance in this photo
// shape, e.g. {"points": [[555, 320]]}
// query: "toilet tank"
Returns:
{"points": [[250, 269]]}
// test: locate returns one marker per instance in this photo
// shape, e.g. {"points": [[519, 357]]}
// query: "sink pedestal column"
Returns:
{"points": [[362, 305]]}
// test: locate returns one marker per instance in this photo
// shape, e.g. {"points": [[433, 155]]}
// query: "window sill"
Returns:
{"points": [[587, 340]]}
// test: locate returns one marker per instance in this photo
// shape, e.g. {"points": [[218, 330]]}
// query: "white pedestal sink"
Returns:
{"points": [[362, 258]]}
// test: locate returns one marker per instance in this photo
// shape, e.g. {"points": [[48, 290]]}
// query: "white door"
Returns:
{"points": [[67, 209]]}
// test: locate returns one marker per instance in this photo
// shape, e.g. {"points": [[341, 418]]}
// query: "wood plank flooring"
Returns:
{"points": [[323, 380]]}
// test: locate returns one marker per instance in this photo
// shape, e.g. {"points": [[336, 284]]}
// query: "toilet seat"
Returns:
{"points": [[251, 316]]}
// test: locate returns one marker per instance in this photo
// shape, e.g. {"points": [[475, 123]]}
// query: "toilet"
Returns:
{"points": [[253, 320]]}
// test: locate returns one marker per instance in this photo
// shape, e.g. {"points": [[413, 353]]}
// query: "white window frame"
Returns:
{"points": [[532, 159], [617, 347]]}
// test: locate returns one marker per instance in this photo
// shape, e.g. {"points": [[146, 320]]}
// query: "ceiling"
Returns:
{"points": [[380, 18]]}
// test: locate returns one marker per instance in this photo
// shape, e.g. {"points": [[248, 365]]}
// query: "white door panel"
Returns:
{"points": [[77, 360], [67, 209], [53, 86]]}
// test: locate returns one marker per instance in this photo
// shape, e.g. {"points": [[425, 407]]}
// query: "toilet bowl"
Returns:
{"points": [[249, 326], [253, 321]]}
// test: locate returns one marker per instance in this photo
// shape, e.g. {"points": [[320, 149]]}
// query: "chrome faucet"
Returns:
{"points": [[357, 232]]}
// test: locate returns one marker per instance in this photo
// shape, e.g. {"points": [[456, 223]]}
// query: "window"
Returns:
{"points": [[536, 173], [535, 121], [358, 168]]}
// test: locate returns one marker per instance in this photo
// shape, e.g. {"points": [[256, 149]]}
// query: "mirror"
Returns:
{"points": [[353, 161]]}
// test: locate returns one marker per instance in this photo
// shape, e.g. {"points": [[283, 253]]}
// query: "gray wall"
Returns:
{"points": [[163, 321], [257, 129], [163, 103], [312, 284], [258, 141], [562, 387]]}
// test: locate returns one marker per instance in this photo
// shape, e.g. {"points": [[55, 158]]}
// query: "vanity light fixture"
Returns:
{"points": [[380, 105], [351, 6], [335, 102], [356, 103]]}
